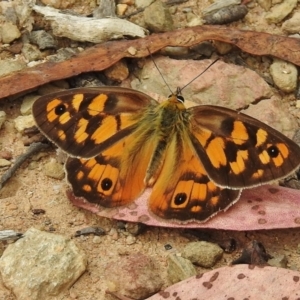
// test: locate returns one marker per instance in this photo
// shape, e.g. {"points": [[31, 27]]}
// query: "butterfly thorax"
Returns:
{"points": [[169, 122]]}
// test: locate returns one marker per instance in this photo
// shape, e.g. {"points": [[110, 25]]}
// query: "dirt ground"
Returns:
{"points": [[30, 189]]}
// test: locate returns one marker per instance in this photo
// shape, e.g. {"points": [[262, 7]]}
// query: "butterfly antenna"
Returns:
{"points": [[159, 70], [197, 75]]}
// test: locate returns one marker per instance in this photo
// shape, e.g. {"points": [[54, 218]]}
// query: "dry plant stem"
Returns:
{"points": [[6, 235], [33, 148]]}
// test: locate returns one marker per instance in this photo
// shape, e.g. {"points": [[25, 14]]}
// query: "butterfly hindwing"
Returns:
{"points": [[89, 120], [183, 191], [239, 151]]}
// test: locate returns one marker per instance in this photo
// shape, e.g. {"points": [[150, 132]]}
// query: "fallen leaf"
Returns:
{"points": [[104, 55], [237, 282], [264, 207]]}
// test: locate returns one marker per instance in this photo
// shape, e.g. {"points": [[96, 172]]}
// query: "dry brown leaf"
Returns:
{"points": [[102, 56]]}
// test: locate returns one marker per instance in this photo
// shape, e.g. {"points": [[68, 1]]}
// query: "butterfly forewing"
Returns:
{"points": [[238, 151], [88, 120]]}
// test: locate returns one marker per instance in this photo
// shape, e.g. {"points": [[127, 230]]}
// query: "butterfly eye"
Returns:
{"points": [[106, 184], [273, 151], [60, 109], [180, 98], [180, 198]]}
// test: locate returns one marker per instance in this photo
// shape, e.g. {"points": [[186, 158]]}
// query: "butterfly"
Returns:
{"points": [[196, 160]]}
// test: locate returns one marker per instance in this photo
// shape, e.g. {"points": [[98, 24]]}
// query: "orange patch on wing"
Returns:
{"points": [[214, 200], [89, 163], [261, 137], [258, 174], [61, 134], [53, 104], [239, 133], [203, 137], [87, 188], [199, 192], [211, 186], [80, 134], [96, 172], [215, 152], [283, 149], [196, 209], [97, 104], [238, 166], [79, 175], [107, 128], [264, 157], [64, 118], [77, 100]]}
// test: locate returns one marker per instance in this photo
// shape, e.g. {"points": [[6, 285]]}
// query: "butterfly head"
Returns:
{"points": [[176, 98]]}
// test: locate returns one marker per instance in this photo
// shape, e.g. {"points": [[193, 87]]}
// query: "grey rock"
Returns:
{"points": [[31, 52], [202, 254], [43, 39], [41, 265]]}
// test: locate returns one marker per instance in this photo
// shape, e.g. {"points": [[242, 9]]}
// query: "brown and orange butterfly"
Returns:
{"points": [[196, 160]]}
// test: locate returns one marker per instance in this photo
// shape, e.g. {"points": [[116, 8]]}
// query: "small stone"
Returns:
{"points": [[265, 4], [27, 104], [202, 254], [292, 25], [130, 240], [135, 275], [54, 169], [219, 4], [179, 268], [97, 240], [43, 39], [6, 154], [280, 11], [9, 32], [2, 117], [4, 162], [121, 9], [158, 18], [226, 15], [53, 262], [135, 228], [284, 75], [23, 122], [31, 52], [117, 72], [279, 261]]}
